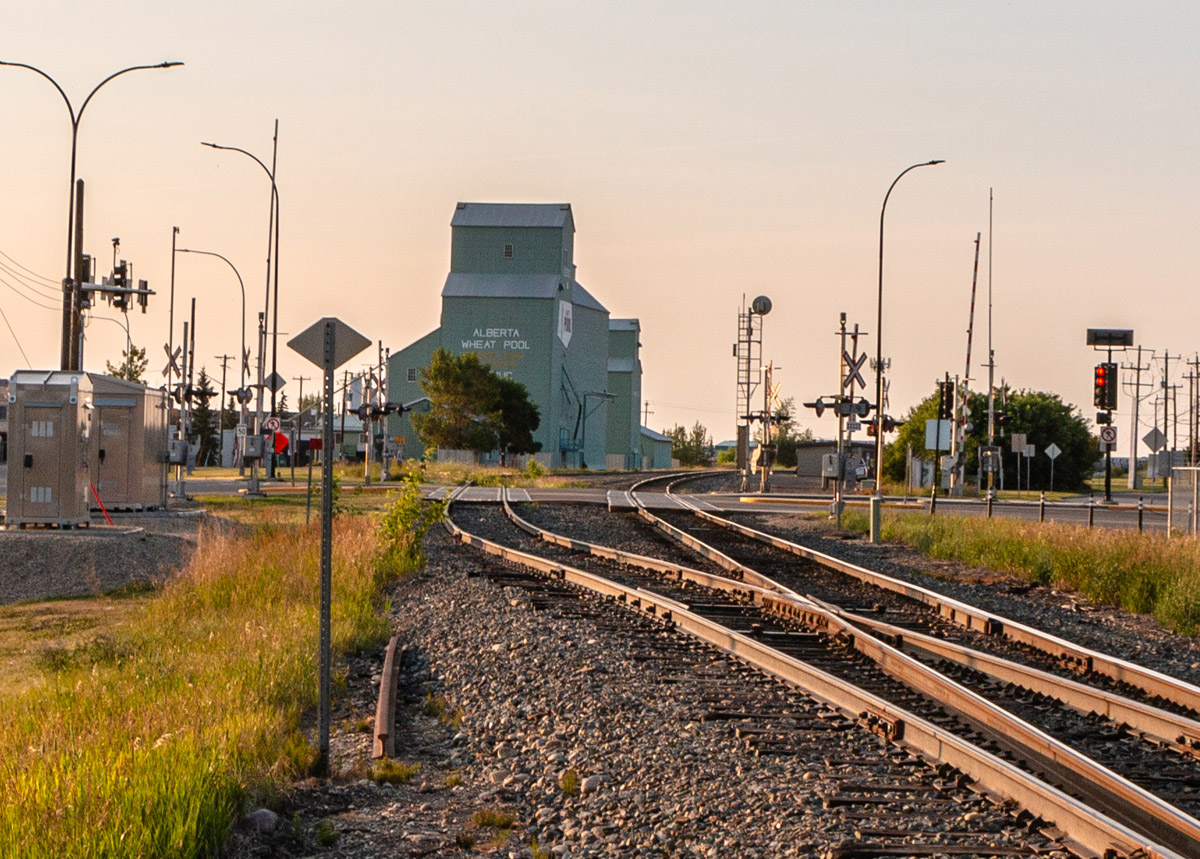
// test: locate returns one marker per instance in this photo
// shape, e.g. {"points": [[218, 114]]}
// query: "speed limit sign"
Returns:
{"points": [[1108, 437], [272, 424]]}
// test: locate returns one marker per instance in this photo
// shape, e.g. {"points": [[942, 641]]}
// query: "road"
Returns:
{"points": [[1123, 515]]}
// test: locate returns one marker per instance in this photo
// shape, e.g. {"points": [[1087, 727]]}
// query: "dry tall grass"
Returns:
{"points": [[147, 744], [1143, 573]]}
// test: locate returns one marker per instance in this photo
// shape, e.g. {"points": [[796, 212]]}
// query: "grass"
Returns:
{"points": [[569, 782], [34, 635], [388, 771], [150, 740], [1142, 573]]}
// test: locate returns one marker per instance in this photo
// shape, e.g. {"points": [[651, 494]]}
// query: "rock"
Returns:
{"points": [[263, 820]]}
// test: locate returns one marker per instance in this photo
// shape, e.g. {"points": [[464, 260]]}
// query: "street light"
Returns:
{"points": [[879, 336], [273, 221], [242, 359], [71, 321]]}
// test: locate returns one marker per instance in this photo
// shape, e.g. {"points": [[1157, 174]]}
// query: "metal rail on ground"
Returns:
{"points": [[1092, 829], [1074, 656]]}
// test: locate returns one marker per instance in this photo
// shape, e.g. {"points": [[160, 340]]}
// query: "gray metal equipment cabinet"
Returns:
{"points": [[127, 453], [49, 418]]}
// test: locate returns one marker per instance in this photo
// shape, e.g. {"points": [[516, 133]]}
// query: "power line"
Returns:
{"points": [[28, 282], [49, 281], [26, 297], [28, 363]]}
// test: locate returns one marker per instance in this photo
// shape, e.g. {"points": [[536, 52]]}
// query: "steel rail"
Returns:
{"points": [[750, 577], [1090, 829], [1169, 728], [1162, 725], [385, 711], [1073, 656], [1138, 807]]}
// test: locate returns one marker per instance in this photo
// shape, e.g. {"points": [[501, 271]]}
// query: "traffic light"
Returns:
{"points": [[1104, 389], [945, 400], [120, 275]]}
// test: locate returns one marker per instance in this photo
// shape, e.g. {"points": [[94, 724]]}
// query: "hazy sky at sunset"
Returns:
{"points": [[709, 151]]}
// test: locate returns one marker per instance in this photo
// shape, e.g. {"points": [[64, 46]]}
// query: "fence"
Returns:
{"points": [[1183, 501]]}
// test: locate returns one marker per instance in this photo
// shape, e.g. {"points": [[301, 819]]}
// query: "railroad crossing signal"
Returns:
{"points": [[853, 376], [172, 367]]}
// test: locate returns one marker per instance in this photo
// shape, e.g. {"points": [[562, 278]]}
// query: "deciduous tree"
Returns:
{"points": [[1044, 419], [473, 408]]}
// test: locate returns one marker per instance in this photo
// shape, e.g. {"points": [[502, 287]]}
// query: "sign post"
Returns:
{"points": [[328, 343], [1052, 451]]}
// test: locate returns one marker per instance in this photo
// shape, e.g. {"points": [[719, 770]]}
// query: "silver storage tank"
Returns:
{"points": [[49, 417]]}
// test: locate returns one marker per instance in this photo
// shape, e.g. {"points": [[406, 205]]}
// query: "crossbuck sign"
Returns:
{"points": [[853, 376]]}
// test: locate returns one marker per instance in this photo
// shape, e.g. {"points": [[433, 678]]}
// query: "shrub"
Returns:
{"points": [[405, 523]]}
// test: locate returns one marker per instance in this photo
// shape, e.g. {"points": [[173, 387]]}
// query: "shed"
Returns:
{"points": [[127, 453], [656, 450], [49, 426]]}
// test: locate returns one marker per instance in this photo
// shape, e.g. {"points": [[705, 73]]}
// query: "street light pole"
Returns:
{"points": [[272, 227], [879, 336], [72, 324], [241, 355]]}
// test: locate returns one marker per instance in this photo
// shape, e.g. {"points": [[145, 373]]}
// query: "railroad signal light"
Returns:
{"points": [[945, 400]]}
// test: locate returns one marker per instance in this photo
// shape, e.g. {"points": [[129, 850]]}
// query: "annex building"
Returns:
{"points": [[512, 298]]}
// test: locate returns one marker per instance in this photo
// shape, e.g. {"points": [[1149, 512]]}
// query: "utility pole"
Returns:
{"points": [[1193, 378], [224, 359], [958, 476], [646, 414], [1135, 479], [991, 428]]}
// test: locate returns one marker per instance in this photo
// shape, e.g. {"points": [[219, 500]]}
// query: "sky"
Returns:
{"points": [[711, 152]]}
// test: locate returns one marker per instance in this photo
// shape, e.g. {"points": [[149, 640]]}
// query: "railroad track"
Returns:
{"points": [[889, 800], [807, 643]]}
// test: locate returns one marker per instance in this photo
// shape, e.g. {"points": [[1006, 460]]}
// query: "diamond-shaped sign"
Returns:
{"points": [[275, 382], [1154, 439], [1053, 450], [346, 342]]}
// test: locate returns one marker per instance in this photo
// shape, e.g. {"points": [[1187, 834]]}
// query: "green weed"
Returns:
{"points": [[388, 771]]}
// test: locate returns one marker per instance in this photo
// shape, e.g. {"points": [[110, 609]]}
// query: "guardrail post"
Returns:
{"points": [[1042, 507], [1092, 512], [989, 505], [876, 516], [1140, 510]]}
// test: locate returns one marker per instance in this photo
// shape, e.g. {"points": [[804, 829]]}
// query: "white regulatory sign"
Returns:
{"points": [[272, 424], [1108, 434]]}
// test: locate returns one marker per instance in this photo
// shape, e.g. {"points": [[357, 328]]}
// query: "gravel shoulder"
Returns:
{"points": [[138, 550]]}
